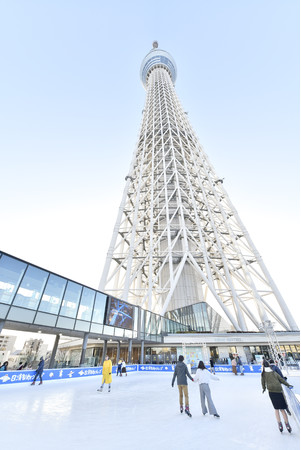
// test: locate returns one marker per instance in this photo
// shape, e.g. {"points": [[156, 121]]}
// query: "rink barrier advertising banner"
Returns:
{"points": [[218, 368], [156, 368], [27, 376]]}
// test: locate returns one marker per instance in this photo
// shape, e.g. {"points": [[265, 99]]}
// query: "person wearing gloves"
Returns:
{"points": [[203, 377], [272, 381], [106, 374], [181, 372]]}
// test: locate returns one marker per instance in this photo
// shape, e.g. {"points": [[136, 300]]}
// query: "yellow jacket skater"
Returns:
{"points": [[106, 374]]}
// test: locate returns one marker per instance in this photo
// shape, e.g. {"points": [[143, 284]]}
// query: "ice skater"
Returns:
{"points": [[272, 381], [4, 366], [212, 369], [234, 364], [39, 372], [181, 372], [123, 368], [106, 374], [119, 368], [240, 365], [203, 377], [276, 369]]}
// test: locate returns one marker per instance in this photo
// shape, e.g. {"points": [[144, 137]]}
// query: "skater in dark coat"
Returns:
{"points": [[276, 368], [4, 366], [39, 371], [181, 372], [119, 368], [212, 369], [272, 381]]}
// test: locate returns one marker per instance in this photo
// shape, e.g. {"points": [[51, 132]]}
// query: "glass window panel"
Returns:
{"points": [[71, 299], [21, 315], [82, 326], [86, 304], [32, 285], [99, 307], [45, 319], [136, 318], [11, 272], [108, 330], [119, 332], [96, 328], [65, 322], [53, 294]]}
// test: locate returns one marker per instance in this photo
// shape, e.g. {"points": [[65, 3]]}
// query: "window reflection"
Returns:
{"points": [[53, 294], [11, 272], [71, 299], [86, 304], [29, 292], [99, 307]]}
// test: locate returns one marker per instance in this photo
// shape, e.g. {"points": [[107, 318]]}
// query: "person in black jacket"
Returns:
{"points": [[39, 371], [276, 368], [181, 372]]}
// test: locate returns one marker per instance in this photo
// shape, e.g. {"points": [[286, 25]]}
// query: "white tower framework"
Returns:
{"points": [[178, 240]]}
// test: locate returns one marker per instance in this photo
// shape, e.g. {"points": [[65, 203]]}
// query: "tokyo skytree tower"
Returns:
{"points": [[178, 240]]}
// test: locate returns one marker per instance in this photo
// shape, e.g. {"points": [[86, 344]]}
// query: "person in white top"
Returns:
{"points": [[123, 368], [203, 376]]}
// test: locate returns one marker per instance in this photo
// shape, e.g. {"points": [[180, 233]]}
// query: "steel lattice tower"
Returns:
{"points": [[178, 239]]}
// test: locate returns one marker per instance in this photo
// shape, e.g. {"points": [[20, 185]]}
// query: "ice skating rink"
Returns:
{"points": [[141, 412]]}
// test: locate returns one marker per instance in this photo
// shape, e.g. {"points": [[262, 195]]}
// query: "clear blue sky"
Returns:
{"points": [[70, 113]]}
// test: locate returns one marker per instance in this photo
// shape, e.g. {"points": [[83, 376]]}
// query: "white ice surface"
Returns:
{"points": [[141, 412]]}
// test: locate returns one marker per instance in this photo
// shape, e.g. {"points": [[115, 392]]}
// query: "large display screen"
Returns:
{"points": [[119, 314]]}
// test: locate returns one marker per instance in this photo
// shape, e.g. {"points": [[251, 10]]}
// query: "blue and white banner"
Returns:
{"points": [[156, 368], [252, 368], [27, 376], [218, 368]]}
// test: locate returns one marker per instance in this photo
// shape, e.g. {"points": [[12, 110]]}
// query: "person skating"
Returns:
{"points": [[203, 377], [123, 368], [212, 369], [119, 368], [4, 366], [106, 374], [234, 364], [239, 365], [39, 372], [274, 367], [272, 381], [181, 372]]}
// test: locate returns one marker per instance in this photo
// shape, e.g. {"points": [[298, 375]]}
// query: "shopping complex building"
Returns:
{"points": [[37, 300]]}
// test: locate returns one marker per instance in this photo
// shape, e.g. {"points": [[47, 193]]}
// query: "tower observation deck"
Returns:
{"points": [[178, 240]]}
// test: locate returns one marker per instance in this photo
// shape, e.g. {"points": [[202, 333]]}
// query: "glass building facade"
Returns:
{"points": [[200, 317], [32, 296]]}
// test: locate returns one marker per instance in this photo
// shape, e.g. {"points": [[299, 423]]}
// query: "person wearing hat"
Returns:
{"points": [[181, 372]]}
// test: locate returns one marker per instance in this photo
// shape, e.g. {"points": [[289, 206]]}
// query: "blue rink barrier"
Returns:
{"points": [[27, 376], [254, 368]]}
